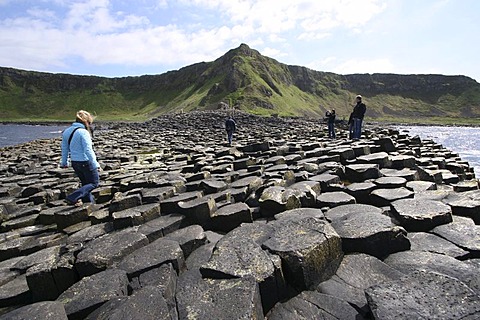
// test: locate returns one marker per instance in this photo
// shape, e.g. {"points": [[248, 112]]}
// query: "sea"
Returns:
{"points": [[463, 140], [13, 134]]}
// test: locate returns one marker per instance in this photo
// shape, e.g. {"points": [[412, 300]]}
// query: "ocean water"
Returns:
{"points": [[463, 140], [12, 134]]}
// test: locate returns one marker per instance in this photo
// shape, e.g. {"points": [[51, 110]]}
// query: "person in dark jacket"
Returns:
{"points": [[357, 116], [230, 127], [330, 115], [77, 144]]}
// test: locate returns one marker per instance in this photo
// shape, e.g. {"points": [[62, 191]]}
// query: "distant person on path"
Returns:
{"points": [[230, 127], [350, 126], [330, 115], [357, 117], [77, 143]]}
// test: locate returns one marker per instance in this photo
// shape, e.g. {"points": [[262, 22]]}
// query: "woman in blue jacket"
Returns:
{"points": [[77, 143]]}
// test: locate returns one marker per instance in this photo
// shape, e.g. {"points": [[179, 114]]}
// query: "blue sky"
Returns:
{"points": [[116, 38]]}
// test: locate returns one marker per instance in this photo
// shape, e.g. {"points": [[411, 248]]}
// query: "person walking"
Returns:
{"points": [[331, 123], [357, 116], [77, 144], [230, 127]]}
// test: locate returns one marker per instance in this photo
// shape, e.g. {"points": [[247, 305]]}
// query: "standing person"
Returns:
{"points": [[331, 123], [230, 127], [357, 117], [77, 143], [350, 126]]}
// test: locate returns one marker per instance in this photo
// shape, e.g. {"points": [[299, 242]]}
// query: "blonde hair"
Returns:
{"points": [[84, 117]]}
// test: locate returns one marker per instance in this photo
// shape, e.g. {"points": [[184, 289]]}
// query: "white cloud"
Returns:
{"points": [[273, 53], [381, 65], [94, 31]]}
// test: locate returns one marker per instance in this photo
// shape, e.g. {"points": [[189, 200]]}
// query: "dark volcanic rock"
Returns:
{"points": [[411, 261], [47, 310], [239, 255], [189, 238], [219, 299], [102, 252], [423, 295], [371, 233], [384, 197], [230, 216], [422, 241], [356, 273], [421, 215], [152, 256], [91, 292], [170, 189], [146, 303], [362, 172], [462, 232], [314, 305], [310, 250]]}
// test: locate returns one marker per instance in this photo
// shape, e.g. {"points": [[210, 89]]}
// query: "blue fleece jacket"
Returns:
{"points": [[81, 147]]}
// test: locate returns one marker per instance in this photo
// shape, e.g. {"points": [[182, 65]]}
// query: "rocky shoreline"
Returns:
{"points": [[284, 224]]}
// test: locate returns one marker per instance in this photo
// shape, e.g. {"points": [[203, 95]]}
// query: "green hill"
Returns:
{"points": [[243, 78]]}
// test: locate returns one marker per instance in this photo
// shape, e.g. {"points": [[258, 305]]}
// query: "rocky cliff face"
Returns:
{"points": [[250, 81]]}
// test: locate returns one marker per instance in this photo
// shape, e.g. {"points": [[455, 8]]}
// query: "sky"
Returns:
{"points": [[119, 38]]}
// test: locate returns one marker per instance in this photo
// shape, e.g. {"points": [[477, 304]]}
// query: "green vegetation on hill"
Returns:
{"points": [[245, 79]]}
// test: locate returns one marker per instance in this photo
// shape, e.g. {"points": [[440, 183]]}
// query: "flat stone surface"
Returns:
{"points": [[423, 241], [384, 197], [314, 305], [152, 256], [411, 298], [189, 238], [161, 226], [334, 199], [356, 273], [340, 212], [15, 292], [467, 208], [300, 213], [146, 303], [421, 215], [277, 199], [230, 216], [371, 233], [90, 233], [91, 292], [310, 250], [410, 261], [390, 182], [47, 310], [463, 233], [102, 252], [239, 255], [419, 186], [219, 299], [135, 216]]}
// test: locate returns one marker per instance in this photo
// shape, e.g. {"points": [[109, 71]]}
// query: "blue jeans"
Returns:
{"points": [[229, 136], [357, 128], [88, 175], [331, 130]]}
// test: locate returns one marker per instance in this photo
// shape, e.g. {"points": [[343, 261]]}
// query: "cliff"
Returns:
{"points": [[244, 78]]}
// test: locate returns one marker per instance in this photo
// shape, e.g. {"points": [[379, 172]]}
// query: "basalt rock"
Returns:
{"points": [[356, 273], [412, 296], [283, 211]]}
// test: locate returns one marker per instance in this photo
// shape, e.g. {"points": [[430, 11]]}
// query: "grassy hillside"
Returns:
{"points": [[245, 79]]}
